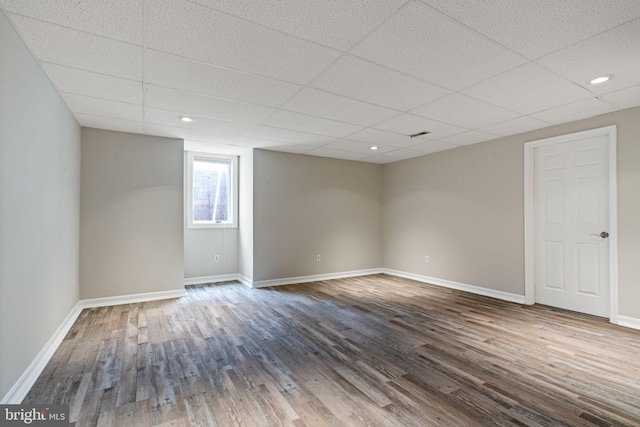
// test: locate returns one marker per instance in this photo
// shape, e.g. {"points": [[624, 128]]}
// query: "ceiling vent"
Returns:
{"points": [[424, 132]]}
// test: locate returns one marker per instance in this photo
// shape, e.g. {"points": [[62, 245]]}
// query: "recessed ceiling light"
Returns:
{"points": [[373, 147], [186, 119], [601, 79]]}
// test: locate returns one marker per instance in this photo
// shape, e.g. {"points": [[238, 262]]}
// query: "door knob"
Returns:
{"points": [[604, 235]]}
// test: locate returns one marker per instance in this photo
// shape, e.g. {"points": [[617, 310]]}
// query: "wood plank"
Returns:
{"points": [[374, 350]]}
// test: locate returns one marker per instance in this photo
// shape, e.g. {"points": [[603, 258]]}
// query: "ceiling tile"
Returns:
{"points": [[380, 159], [310, 124], [80, 82], [197, 32], [216, 126], [402, 154], [337, 154], [109, 123], [335, 107], [360, 79], [614, 52], [73, 48], [214, 147], [423, 43], [408, 124], [461, 110], [201, 105], [429, 147], [376, 136], [468, 138], [575, 111], [536, 28], [528, 89], [116, 19], [276, 145], [163, 69], [625, 98], [289, 136], [515, 126], [102, 107], [193, 134], [336, 23], [357, 147]]}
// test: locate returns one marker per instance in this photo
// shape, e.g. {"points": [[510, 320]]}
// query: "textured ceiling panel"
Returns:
{"points": [[358, 147], [364, 80], [408, 124], [376, 136], [429, 147], [197, 32], [576, 111], [515, 126], [201, 105], [310, 124], [528, 89], [181, 73], [429, 46], [208, 124], [536, 28], [336, 23], [289, 136], [333, 77], [109, 123], [625, 98], [337, 154], [102, 107], [275, 145], [615, 52], [116, 19], [461, 110], [335, 107], [77, 49], [80, 82], [468, 138], [202, 134]]}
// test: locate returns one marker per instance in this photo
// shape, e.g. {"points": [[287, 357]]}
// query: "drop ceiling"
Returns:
{"points": [[334, 77]]}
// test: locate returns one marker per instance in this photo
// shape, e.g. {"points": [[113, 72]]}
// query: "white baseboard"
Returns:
{"points": [[19, 391], [314, 278], [132, 298], [245, 280], [211, 279], [629, 322], [479, 290]]}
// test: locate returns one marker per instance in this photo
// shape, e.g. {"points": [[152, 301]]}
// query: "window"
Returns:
{"points": [[212, 182]]}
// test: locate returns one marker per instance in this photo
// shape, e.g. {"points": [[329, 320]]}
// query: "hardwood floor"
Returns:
{"points": [[375, 350]]}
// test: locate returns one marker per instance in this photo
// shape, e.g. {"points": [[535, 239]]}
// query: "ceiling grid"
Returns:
{"points": [[334, 77]]}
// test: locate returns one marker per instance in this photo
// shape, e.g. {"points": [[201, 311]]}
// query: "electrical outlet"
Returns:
{"points": [[318, 258], [426, 259], [216, 258]]}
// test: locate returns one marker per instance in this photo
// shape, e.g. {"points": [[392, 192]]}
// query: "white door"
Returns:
{"points": [[571, 225]]}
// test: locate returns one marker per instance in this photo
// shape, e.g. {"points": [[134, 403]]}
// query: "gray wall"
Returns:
{"points": [[304, 206], [131, 218], [245, 215], [464, 208], [200, 247], [39, 208]]}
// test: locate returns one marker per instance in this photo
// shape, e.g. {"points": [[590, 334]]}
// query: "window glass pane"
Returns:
{"points": [[211, 190]]}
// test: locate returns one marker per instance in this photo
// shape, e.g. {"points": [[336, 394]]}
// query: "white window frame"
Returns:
{"points": [[233, 193]]}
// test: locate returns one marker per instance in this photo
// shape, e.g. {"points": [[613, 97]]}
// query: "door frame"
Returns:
{"points": [[529, 211]]}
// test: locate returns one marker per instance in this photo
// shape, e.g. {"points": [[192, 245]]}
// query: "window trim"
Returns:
{"points": [[233, 193]]}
